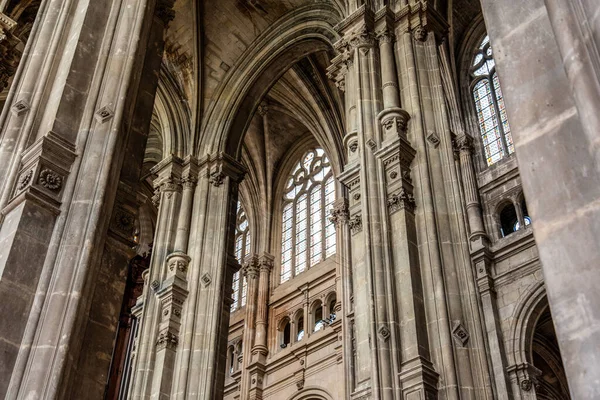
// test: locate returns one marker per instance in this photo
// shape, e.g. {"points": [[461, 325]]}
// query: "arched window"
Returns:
{"points": [[285, 333], [242, 250], [318, 316], [509, 221], [308, 235], [489, 104], [300, 327]]}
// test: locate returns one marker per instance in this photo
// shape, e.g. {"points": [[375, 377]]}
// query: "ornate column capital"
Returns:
{"points": [[221, 166], [362, 38], [464, 143], [386, 35], [251, 268], [266, 262], [400, 201], [340, 213]]}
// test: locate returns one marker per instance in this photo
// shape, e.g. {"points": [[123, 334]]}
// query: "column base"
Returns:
{"points": [[418, 376]]}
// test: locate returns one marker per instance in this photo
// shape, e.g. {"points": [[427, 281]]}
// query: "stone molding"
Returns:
{"points": [[45, 168], [222, 166]]}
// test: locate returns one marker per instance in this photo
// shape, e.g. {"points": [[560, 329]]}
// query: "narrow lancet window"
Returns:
{"points": [[242, 250], [308, 236], [489, 104]]}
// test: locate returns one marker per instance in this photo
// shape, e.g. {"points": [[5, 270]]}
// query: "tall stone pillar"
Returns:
{"points": [[66, 125], [465, 148], [201, 352], [250, 270], [556, 144]]}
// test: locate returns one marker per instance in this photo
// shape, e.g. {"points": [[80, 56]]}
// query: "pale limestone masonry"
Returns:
{"points": [[132, 129]]}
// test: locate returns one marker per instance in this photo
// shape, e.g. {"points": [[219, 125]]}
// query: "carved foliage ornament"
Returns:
{"points": [[166, 340], [340, 214], [355, 224], [25, 180], [401, 200], [216, 178]]}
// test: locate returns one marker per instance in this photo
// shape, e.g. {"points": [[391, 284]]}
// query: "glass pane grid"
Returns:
{"points": [[306, 231]]}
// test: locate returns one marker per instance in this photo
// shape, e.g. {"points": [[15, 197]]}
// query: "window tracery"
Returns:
{"points": [[308, 236], [242, 251], [489, 105]]}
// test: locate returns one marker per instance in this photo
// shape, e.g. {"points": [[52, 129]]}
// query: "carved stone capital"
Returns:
{"points": [[464, 143], [222, 166], [166, 340], [355, 224], [363, 38], [394, 121], [178, 263], [251, 268], [400, 201], [266, 262], [340, 213], [385, 36]]}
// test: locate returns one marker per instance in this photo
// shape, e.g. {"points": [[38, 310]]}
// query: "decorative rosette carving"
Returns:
{"points": [[25, 180], [50, 180]]}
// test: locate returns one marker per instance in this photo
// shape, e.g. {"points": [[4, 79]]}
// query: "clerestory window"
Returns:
{"points": [[489, 104], [308, 236], [242, 251]]}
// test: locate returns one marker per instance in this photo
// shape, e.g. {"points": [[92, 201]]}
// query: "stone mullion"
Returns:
{"points": [[212, 255]]}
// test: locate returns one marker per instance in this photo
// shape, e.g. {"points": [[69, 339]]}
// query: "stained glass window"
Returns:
{"points": [[242, 251], [308, 236], [489, 105]]}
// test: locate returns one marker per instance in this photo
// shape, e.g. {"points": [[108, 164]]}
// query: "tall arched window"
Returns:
{"points": [[242, 250], [308, 235], [489, 104]]}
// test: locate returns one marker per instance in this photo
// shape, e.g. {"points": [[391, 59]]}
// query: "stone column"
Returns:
{"points": [[465, 147], [250, 270], [344, 308], [201, 366], [556, 144], [260, 349], [360, 64], [67, 123]]}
